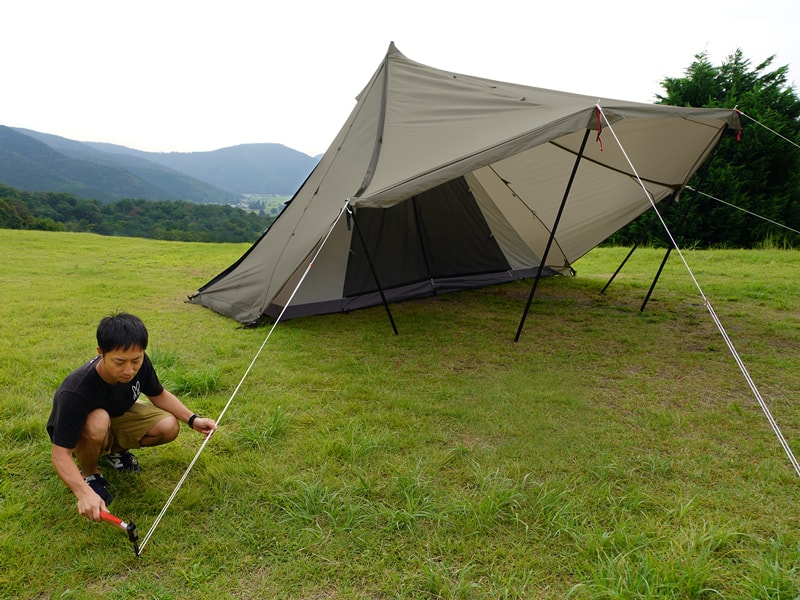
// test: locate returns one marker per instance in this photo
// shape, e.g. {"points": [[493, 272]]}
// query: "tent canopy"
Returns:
{"points": [[456, 181]]}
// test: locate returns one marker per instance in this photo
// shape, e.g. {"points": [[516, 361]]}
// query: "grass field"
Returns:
{"points": [[607, 454]]}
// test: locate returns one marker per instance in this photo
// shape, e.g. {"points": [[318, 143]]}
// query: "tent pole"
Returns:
{"points": [[421, 244], [372, 268], [619, 268], [703, 173], [655, 279], [622, 264], [670, 248], [552, 235]]}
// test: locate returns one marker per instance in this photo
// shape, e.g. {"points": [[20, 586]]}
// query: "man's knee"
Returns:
{"points": [[172, 428], [97, 427], [163, 432]]}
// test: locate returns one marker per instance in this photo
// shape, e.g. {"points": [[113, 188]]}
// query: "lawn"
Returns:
{"points": [[609, 453]]}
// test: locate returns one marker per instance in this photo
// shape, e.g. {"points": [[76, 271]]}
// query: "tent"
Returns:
{"points": [[449, 181]]}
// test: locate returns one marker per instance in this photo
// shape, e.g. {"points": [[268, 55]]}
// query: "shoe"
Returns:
{"points": [[98, 483], [124, 462]]}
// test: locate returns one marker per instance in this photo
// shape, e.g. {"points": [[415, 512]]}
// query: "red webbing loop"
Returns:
{"points": [[599, 127]]}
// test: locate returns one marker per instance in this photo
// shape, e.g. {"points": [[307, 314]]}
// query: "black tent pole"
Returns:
{"points": [[703, 173], [422, 243], [352, 213], [552, 236], [619, 268], [670, 247], [622, 264], [655, 279]]}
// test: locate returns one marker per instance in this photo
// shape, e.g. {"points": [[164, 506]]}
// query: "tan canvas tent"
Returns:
{"points": [[454, 181]]}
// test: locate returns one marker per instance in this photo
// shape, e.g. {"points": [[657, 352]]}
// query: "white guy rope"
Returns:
{"points": [[688, 187], [711, 311], [783, 137], [235, 391]]}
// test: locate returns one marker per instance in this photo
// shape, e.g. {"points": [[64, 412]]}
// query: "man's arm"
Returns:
{"points": [[167, 401], [89, 503]]}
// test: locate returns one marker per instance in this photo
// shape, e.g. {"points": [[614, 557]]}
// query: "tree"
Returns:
{"points": [[757, 172], [13, 215], [169, 220]]}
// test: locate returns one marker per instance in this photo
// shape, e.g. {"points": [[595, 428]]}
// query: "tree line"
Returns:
{"points": [[163, 220]]}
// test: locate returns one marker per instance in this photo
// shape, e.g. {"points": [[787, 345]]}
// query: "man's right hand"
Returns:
{"points": [[90, 505]]}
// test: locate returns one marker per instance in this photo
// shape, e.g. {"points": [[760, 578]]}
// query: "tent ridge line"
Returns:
{"points": [[376, 148]]}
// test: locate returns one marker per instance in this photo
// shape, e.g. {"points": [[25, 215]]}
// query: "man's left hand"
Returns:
{"points": [[204, 426]]}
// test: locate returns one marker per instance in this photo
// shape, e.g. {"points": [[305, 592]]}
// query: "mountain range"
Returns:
{"points": [[40, 162]]}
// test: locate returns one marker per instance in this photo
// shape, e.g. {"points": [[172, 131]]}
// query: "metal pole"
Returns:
{"points": [[552, 236], [619, 268], [372, 268], [655, 279], [684, 218]]}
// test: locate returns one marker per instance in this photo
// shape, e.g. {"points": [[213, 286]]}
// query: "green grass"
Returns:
{"points": [[607, 454]]}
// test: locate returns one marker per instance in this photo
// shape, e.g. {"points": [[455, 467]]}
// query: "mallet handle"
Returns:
{"points": [[109, 518]]}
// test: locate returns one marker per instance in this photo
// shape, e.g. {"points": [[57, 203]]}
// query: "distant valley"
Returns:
{"points": [[39, 162]]}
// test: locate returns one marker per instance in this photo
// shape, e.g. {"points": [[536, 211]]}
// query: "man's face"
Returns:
{"points": [[120, 366]]}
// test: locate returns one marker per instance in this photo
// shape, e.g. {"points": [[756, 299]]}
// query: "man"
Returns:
{"points": [[97, 413]]}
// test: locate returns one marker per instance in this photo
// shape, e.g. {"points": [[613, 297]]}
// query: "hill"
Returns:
{"points": [[34, 161], [243, 169]]}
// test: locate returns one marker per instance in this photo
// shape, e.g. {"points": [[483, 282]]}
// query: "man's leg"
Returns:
{"points": [[142, 425], [162, 432], [94, 439]]}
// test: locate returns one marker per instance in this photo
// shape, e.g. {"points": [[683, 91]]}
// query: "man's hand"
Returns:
{"points": [[90, 505], [169, 402], [204, 426]]}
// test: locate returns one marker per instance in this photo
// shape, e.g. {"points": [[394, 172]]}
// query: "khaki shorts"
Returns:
{"points": [[130, 427]]}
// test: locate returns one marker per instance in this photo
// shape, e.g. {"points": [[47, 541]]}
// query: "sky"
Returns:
{"points": [[197, 75]]}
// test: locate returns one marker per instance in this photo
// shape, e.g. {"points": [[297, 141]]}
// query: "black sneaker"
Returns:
{"points": [[124, 462], [98, 483]]}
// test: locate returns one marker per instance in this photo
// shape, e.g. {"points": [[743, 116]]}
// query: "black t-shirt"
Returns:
{"points": [[84, 390]]}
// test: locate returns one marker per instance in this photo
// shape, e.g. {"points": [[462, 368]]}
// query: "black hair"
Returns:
{"points": [[121, 330]]}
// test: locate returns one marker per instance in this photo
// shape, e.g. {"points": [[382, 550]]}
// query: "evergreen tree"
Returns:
{"points": [[757, 172]]}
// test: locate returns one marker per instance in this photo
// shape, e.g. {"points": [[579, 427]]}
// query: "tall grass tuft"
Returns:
{"points": [[163, 359], [495, 501], [691, 565], [411, 500], [193, 383], [258, 433], [353, 445]]}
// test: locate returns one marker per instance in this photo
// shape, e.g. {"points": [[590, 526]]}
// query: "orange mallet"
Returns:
{"points": [[129, 528]]}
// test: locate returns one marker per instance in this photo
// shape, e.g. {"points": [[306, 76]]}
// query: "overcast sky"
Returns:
{"points": [[192, 75]]}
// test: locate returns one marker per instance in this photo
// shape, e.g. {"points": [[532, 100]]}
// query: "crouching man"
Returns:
{"points": [[97, 412]]}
